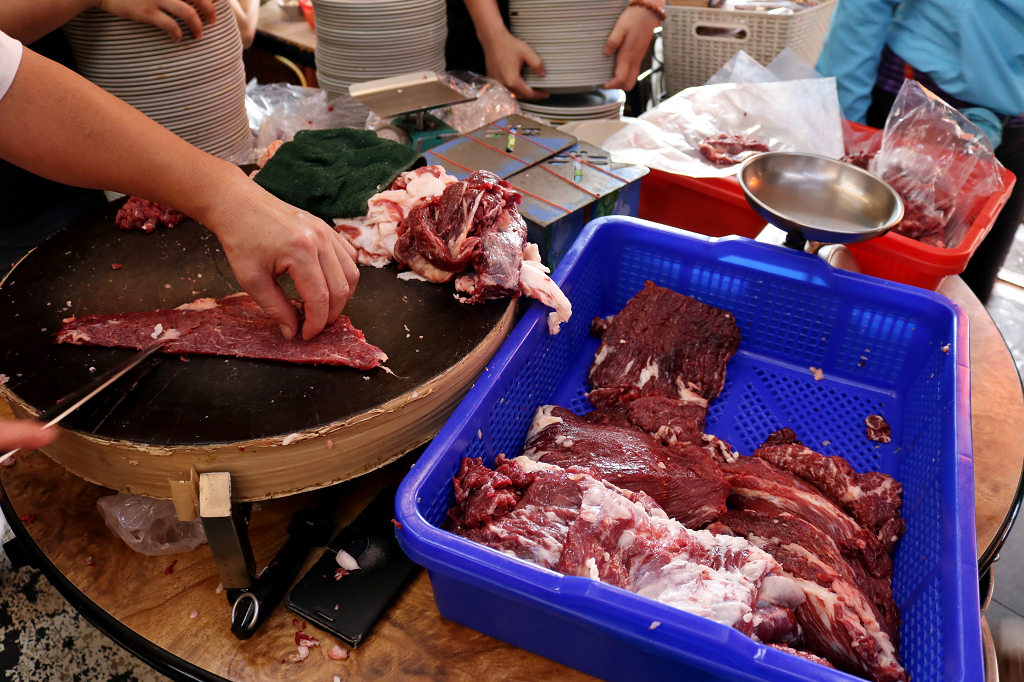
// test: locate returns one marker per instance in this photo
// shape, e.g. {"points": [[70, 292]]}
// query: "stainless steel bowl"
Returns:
{"points": [[819, 198]]}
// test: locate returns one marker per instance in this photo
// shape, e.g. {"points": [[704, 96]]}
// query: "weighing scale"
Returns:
{"points": [[817, 204], [403, 102]]}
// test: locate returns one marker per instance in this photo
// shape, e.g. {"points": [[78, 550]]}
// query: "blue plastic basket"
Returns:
{"points": [[881, 347]]}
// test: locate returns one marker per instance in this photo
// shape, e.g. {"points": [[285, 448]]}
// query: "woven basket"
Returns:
{"points": [[691, 59]]}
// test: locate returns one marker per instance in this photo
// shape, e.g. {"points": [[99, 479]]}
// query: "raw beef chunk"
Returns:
{"points": [[442, 235], [806, 655], [145, 215], [878, 429], [670, 420], [839, 621], [581, 526], [665, 344], [760, 486], [728, 150], [872, 499], [234, 325], [784, 436], [684, 481]]}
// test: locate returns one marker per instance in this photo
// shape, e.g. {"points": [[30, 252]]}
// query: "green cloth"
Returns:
{"points": [[333, 173]]}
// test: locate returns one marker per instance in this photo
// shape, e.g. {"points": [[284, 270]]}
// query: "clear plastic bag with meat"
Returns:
{"points": [[277, 111], [941, 164], [150, 526]]}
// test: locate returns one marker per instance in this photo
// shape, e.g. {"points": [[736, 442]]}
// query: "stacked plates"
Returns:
{"points": [[586, 106], [195, 88], [362, 40], [569, 39]]}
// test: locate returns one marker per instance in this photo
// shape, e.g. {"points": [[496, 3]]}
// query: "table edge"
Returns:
{"points": [[987, 558], [135, 644]]}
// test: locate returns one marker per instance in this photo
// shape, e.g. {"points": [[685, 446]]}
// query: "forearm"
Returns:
{"points": [[247, 14], [75, 133], [486, 19], [30, 20], [853, 50]]}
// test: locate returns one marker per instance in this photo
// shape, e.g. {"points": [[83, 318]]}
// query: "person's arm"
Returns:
{"points": [[58, 125], [504, 53], [247, 14], [629, 41], [30, 20], [853, 50]]}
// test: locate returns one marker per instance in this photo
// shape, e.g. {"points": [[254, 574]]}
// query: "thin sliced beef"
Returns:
{"points": [[871, 498], [728, 150], [684, 480], [760, 486], [623, 538], [839, 621], [234, 326], [665, 344]]}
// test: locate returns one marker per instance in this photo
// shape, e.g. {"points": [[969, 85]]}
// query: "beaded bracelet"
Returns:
{"points": [[658, 10]]}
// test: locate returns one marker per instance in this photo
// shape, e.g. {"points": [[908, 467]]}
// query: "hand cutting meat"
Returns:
{"points": [[438, 226]]}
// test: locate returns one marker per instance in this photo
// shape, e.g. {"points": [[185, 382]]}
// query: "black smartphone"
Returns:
{"points": [[346, 603]]}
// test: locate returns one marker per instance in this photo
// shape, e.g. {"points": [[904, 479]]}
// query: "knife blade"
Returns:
{"points": [[73, 401]]}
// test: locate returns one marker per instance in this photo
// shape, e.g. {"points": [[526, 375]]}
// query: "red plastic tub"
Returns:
{"points": [[716, 207]]}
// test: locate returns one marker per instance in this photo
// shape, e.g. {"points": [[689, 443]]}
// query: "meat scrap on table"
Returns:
{"points": [[234, 325], [635, 494], [440, 226], [145, 215]]}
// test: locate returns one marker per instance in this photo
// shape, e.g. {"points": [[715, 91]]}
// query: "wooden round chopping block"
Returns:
{"points": [[278, 428]]}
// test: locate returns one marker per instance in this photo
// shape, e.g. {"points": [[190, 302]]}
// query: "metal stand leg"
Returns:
{"points": [[227, 530]]}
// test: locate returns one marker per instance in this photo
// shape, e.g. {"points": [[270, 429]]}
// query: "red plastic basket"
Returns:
{"points": [[716, 207]]}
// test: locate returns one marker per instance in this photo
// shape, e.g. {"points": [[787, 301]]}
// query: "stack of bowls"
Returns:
{"points": [[194, 88], [586, 106], [570, 39], [362, 40]]}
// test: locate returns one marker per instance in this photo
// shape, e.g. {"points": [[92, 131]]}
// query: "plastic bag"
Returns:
{"points": [[150, 526], [279, 110], [493, 101], [941, 164], [798, 115], [742, 68]]}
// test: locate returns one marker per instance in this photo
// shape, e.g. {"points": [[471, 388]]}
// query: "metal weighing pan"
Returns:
{"points": [[818, 198]]}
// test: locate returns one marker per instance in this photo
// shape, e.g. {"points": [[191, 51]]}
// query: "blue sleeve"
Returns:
{"points": [[988, 121], [853, 49]]}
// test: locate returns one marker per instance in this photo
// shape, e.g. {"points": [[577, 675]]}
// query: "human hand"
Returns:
{"points": [[25, 434], [505, 55], [162, 13], [263, 238], [630, 39]]}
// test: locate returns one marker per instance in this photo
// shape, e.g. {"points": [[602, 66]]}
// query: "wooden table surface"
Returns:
{"points": [[275, 24], [91, 567]]}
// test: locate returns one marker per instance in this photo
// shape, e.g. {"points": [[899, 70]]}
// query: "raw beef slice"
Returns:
{"points": [[684, 481], [662, 343], [234, 325]]}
